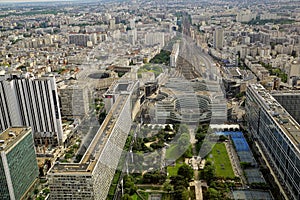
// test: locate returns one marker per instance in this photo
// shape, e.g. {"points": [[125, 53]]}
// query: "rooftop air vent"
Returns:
{"points": [[11, 134]]}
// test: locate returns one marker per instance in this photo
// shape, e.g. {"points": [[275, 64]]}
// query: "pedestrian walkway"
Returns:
{"points": [[198, 190], [235, 162]]}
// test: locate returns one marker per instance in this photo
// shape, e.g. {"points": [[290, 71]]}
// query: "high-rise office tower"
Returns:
{"points": [[218, 38], [83, 39], [18, 164], [277, 134], [112, 24], [155, 38], [74, 100], [132, 23], [132, 36], [31, 102]]}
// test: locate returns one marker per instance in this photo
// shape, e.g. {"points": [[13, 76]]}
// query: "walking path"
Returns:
{"points": [[198, 190], [197, 182], [238, 171]]}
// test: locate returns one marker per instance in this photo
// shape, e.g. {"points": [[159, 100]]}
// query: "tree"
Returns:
{"points": [[181, 192], [185, 194], [129, 186], [154, 177], [213, 194], [179, 181], [223, 138], [186, 171], [200, 136], [102, 116], [161, 58], [127, 197], [41, 171], [46, 191], [168, 128], [240, 95], [36, 191], [157, 145], [202, 128], [167, 187], [209, 173], [120, 74], [68, 156]]}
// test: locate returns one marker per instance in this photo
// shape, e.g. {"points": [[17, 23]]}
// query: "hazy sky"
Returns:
{"points": [[15, 1]]}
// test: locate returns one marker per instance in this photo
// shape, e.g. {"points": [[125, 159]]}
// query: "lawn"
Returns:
{"points": [[175, 151], [157, 70], [220, 159], [172, 170]]}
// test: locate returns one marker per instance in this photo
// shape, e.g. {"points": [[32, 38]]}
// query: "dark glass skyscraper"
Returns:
{"points": [[18, 164]]}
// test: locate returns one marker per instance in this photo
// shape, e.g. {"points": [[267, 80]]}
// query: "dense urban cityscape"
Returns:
{"points": [[150, 100]]}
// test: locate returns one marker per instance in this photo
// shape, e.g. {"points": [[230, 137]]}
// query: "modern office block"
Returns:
{"points": [[92, 176], [18, 164], [31, 102], [74, 100], [278, 135], [155, 38], [163, 110], [83, 39], [218, 38], [112, 24]]}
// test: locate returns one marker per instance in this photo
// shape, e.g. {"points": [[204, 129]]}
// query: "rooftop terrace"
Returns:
{"points": [[11, 136], [93, 153]]}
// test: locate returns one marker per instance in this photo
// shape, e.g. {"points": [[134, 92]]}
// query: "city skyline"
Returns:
{"points": [[150, 99], [29, 1]]}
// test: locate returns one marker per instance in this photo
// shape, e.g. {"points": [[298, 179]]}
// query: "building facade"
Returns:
{"points": [[83, 39], [18, 164], [174, 55], [291, 102], [74, 100], [218, 38], [92, 176], [277, 134], [32, 102], [155, 38]]}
